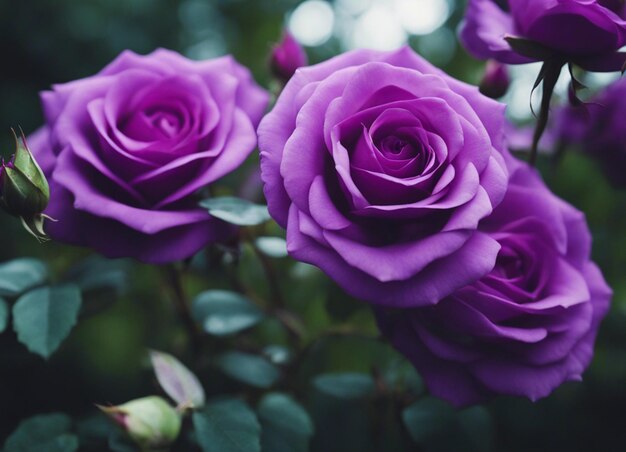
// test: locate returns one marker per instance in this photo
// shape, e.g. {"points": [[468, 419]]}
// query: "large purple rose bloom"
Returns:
{"points": [[527, 326], [380, 167], [585, 32], [126, 151]]}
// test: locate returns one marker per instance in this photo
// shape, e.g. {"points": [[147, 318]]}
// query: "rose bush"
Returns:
{"points": [[585, 32], [127, 149], [527, 326], [380, 167]]}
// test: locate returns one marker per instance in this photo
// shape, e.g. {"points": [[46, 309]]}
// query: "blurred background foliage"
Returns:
{"points": [[104, 360]]}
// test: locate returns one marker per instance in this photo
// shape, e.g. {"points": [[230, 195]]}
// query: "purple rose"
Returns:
{"points": [[127, 149], [588, 33], [380, 167], [527, 326], [599, 129]]}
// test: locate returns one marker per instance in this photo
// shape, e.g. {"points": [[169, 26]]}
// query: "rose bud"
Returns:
{"points": [[150, 421], [286, 57], [495, 82], [24, 189]]}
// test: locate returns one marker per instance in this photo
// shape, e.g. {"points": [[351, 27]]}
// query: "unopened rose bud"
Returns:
{"points": [[286, 57], [24, 190], [150, 421], [495, 82]]}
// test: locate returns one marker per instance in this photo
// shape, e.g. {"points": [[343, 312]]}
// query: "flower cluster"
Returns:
{"points": [[388, 174], [527, 325], [393, 178]]}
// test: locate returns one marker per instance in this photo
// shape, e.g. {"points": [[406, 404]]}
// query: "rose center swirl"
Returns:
{"points": [[166, 120]]}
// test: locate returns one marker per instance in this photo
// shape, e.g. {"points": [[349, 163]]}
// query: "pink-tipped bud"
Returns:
{"points": [[150, 421], [495, 82], [286, 57]]}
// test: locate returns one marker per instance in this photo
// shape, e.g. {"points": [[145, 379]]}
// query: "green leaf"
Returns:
{"points": [[45, 432], [94, 431], [120, 442], [98, 273], [236, 211], [401, 374], [428, 418], [43, 317], [348, 385], [221, 312], [4, 314], [272, 246], [177, 381], [227, 425], [287, 426], [248, 368], [19, 275], [478, 426]]}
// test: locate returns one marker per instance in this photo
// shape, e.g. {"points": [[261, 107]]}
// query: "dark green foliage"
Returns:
{"points": [[45, 433], [251, 369], [228, 426], [287, 426], [306, 358], [222, 313]]}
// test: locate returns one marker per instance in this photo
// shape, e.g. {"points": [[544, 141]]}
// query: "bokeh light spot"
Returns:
{"points": [[312, 22]]}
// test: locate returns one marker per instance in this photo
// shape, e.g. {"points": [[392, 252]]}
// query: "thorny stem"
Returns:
{"points": [[272, 279], [181, 305], [278, 306]]}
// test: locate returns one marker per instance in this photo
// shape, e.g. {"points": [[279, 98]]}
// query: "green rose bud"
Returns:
{"points": [[24, 190], [150, 421]]}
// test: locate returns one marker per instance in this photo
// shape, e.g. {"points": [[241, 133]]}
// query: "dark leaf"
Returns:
{"points": [[221, 312], [427, 418], [98, 273], [19, 275], [272, 246], [477, 424], [45, 432], [4, 314], [236, 211], [348, 385], [287, 426], [227, 425], [42, 318], [248, 368]]}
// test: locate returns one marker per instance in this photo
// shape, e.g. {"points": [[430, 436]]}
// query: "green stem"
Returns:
{"points": [[181, 305], [278, 306], [550, 75], [272, 279]]}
